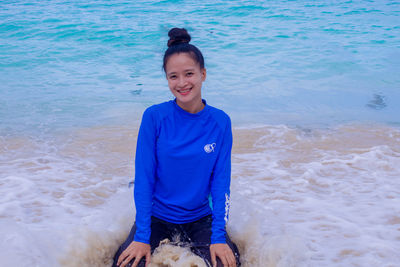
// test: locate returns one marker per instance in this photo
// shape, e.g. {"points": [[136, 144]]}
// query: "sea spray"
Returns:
{"points": [[263, 242], [92, 249], [168, 254]]}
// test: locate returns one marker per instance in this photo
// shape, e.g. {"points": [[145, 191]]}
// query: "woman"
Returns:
{"points": [[182, 157]]}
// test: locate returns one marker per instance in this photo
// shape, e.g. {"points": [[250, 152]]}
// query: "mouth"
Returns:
{"points": [[184, 91]]}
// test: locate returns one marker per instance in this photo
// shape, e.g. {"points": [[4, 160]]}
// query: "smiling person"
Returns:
{"points": [[183, 156]]}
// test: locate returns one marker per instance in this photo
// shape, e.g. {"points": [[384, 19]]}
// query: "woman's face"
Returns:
{"points": [[185, 78]]}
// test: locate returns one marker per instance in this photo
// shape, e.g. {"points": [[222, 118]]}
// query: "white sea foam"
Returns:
{"points": [[334, 190], [300, 197]]}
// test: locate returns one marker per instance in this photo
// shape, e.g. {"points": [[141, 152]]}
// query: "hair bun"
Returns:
{"points": [[178, 36]]}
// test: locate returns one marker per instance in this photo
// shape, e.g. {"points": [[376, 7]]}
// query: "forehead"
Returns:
{"points": [[180, 62]]}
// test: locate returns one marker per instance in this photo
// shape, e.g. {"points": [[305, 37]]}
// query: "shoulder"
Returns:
{"points": [[158, 111], [161, 107], [222, 119], [219, 114]]}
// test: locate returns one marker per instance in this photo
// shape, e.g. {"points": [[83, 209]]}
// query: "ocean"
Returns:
{"points": [[311, 88]]}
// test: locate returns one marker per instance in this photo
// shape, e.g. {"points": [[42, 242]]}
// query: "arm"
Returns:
{"points": [[221, 196], [220, 184], [145, 164]]}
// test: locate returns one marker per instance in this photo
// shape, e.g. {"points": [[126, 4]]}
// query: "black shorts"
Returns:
{"points": [[196, 235]]}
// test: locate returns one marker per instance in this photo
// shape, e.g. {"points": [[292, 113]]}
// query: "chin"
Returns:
{"points": [[184, 100]]}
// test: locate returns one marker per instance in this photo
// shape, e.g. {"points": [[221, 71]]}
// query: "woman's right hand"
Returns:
{"points": [[135, 250]]}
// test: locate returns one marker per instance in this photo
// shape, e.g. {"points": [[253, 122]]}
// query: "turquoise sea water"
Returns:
{"points": [[312, 88], [68, 63]]}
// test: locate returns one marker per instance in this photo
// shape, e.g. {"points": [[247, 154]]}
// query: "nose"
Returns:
{"points": [[181, 82]]}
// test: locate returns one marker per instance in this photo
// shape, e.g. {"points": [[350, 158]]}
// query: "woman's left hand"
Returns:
{"points": [[224, 253]]}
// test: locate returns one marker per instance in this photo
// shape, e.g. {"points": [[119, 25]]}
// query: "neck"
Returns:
{"points": [[191, 107]]}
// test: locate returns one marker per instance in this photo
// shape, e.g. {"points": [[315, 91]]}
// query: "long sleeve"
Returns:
{"points": [[145, 169], [220, 184]]}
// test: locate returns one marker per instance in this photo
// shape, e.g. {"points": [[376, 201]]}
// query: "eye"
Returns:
{"points": [[189, 74], [172, 77]]}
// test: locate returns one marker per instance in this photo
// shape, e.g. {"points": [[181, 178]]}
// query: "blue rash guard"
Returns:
{"points": [[182, 158]]}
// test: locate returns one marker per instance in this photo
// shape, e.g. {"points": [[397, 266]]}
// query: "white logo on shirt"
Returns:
{"points": [[209, 147], [227, 206]]}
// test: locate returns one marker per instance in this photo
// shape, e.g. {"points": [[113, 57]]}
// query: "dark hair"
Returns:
{"points": [[179, 43]]}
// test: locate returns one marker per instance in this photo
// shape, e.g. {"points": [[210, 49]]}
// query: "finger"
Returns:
{"points": [[148, 258], [121, 258], [213, 259], [224, 261], [126, 261], [231, 262], [231, 259], [136, 262]]}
